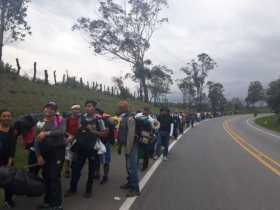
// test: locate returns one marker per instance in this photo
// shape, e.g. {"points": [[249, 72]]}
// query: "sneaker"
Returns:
{"points": [[87, 194], [70, 193], [155, 157], [104, 180], [125, 186], [133, 193], [9, 205], [165, 158]]}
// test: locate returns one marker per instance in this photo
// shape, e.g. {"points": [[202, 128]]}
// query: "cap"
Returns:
{"points": [[51, 104], [76, 106]]}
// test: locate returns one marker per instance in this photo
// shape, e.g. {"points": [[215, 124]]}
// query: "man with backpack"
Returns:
{"points": [[144, 128], [127, 139], [50, 151], [26, 126], [91, 130]]}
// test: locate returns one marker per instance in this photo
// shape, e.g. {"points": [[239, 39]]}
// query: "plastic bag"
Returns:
{"points": [[100, 147]]}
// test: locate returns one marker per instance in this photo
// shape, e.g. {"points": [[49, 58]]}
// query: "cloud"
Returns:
{"points": [[242, 36]]}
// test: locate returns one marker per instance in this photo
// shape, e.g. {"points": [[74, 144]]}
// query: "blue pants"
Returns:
{"points": [[163, 140], [132, 168], [108, 153]]}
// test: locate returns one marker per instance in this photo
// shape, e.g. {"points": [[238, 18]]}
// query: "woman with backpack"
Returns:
{"points": [[50, 152], [7, 149]]}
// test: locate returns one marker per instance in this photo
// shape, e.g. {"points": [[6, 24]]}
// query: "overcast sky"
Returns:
{"points": [[243, 36]]}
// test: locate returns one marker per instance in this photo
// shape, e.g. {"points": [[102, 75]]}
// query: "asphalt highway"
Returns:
{"points": [[222, 164]]}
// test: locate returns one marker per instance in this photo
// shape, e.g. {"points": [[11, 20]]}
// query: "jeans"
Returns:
{"points": [[132, 168], [108, 153], [77, 167], [163, 140], [32, 160], [52, 176]]}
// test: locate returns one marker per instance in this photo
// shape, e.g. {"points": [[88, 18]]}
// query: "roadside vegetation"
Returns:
{"points": [[270, 122]]}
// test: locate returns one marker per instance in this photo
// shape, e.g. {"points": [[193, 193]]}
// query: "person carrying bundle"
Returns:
{"points": [[50, 152]]}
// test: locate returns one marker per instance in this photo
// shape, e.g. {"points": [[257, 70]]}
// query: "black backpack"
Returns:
{"points": [[85, 140], [111, 135]]}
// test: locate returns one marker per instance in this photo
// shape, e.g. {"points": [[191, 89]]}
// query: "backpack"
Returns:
{"points": [[20, 182], [111, 135], [143, 130], [85, 140]]}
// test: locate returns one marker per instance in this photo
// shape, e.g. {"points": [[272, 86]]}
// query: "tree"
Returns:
{"points": [[237, 105], [216, 97], [255, 93], [124, 91], [187, 88], [13, 23], [125, 32], [160, 80], [197, 71], [273, 96]]}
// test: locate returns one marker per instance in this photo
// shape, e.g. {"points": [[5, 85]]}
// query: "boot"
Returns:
{"points": [[106, 169]]}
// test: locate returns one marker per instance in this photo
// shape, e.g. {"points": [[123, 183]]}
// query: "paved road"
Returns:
{"points": [[208, 169]]}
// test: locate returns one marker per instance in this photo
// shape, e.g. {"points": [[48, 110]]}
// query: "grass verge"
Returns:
{"points": [[270, 122]]}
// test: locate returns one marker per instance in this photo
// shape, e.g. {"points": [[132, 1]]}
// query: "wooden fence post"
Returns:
{"points": [[18, 66], [81, 82], [54, 76], [34, 72], [46, 77], [63, 79]]}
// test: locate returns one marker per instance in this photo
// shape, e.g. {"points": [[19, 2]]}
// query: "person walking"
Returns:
{"points": [[165, 132], [128, 140], [92, 128], [145, 125], [50, 152], [7, 150]]}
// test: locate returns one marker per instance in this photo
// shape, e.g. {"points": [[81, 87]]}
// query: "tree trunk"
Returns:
{"points": [[144, 90]]}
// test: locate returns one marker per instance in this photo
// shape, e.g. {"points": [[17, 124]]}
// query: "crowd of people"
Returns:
{"points": [[61, 144]]}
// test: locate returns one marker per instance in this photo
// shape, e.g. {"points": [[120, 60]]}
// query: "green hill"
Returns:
{"points": [[21, 96]]}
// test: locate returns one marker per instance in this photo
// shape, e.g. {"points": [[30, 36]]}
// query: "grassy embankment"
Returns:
{"points": [[271, 122]]}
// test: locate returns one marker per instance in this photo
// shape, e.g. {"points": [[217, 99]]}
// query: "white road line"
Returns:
{"points": [[129, 201], [261, 130]]}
